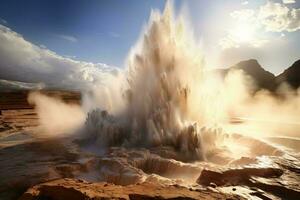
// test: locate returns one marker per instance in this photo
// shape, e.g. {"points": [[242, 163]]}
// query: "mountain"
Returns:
{"points": [[291, 75], [263, 79], [12, 85], [8, 85]]}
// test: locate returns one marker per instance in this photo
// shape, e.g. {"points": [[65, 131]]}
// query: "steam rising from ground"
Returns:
{"points": [[269, 114], [55, 116]]}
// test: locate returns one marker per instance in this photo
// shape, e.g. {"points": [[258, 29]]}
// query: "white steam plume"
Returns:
{"points": [[56, 117]]}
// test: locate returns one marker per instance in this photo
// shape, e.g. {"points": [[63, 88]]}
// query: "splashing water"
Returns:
{"points": [[165, 101]]}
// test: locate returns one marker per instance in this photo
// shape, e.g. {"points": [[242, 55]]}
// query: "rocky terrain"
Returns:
{"points": [[262, 172], [17, 115], [20, 149], [34, 166], [151, 174], [81, 190], [27, 160]]}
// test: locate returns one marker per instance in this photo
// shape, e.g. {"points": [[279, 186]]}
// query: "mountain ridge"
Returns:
{"points": [[291, 75], [263, 78]]}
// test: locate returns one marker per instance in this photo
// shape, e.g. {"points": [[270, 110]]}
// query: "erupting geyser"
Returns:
{"points": [[164, 127], [162, 96]]}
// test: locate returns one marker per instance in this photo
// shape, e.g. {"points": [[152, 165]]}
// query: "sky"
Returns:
{"points": [[76, 39]]}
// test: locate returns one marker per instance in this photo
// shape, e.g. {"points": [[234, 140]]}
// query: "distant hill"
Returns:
{"points": [[264, 79], [17, 99], [12, 85], [8, 85], [291, 75]]}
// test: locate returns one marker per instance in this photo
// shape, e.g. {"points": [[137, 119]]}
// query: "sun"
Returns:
{"points": [[243, 33]]}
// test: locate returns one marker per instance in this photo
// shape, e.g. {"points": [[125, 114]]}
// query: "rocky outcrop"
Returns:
{"points": [[291, 76], [236, 176], [267, 180], [63, 189]]}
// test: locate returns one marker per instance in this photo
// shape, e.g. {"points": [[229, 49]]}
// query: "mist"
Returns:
{"points": [[270, 114], [56, 118]]}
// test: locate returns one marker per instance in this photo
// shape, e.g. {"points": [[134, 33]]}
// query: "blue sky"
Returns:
{"points": [[98, 31], [93, 30]]}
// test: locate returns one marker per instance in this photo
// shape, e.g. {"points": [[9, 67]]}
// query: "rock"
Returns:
{"points": [[236, 176], [63, 189], [291, 76], [264, 180], [130, 166], [213, 185], [243, 161]]}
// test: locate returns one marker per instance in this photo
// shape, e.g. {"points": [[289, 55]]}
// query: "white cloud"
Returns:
{"points": [[276, 17], [288, 1], [69, 56], [68, 38], [43, 46], [245, 3], [243, 31], [242, 15], [228, 42], [234, 41], [3, 21], [251, 25], [24, 61]]}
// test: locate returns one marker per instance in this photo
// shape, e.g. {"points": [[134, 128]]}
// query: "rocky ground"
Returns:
{"points": [[81, 190], [35, 167], [25, 159]]}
